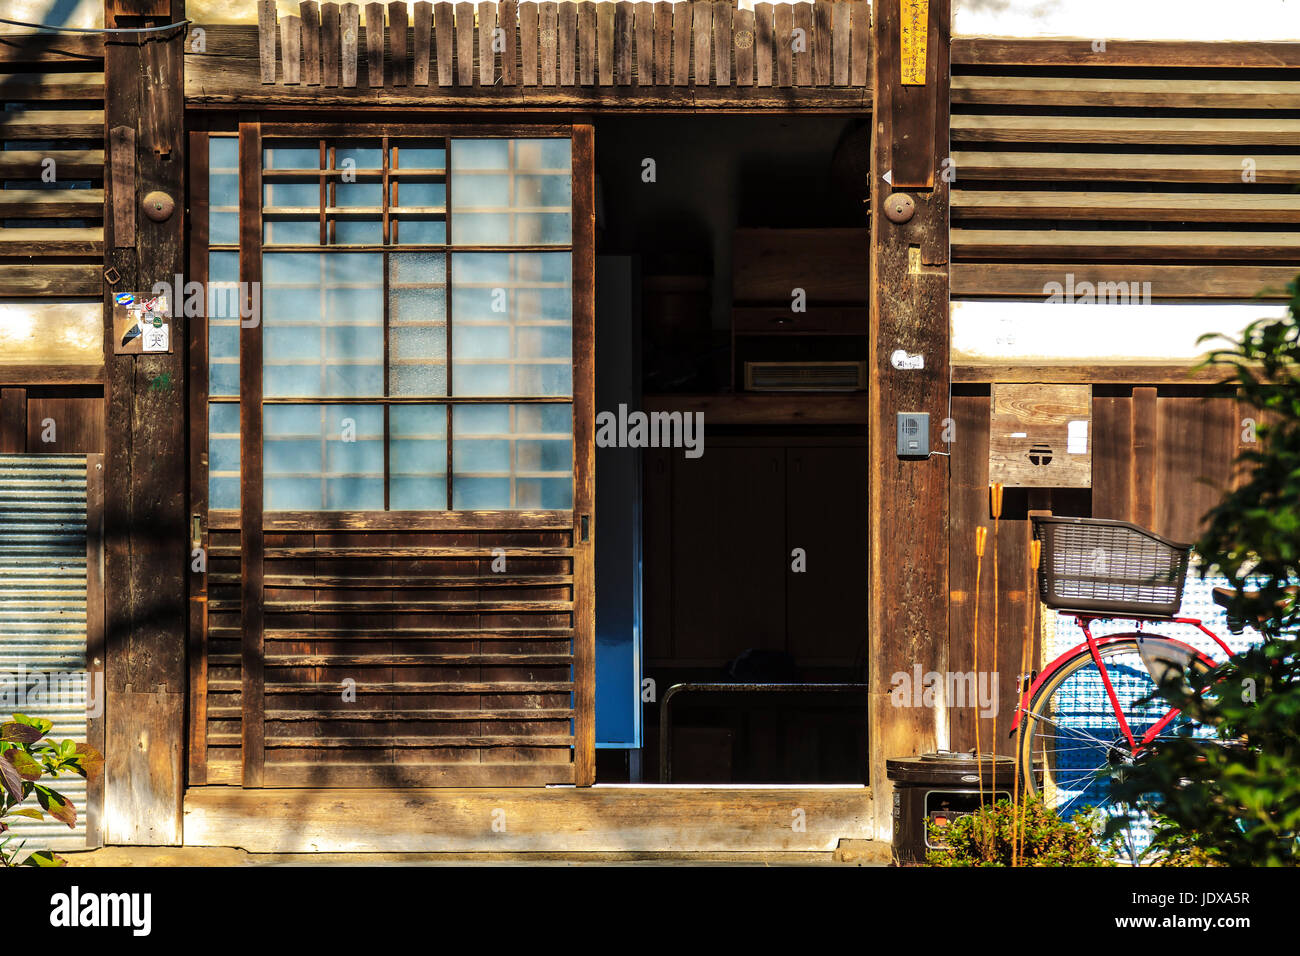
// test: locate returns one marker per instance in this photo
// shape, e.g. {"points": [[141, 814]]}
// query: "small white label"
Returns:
{"points": [[1076, 438], [900, 359], [156, 338], [1020, 434]]}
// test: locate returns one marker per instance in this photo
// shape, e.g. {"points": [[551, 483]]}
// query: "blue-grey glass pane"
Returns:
{"points": [[358, 157], [223, 207], [223, 152], [287, 155], [299, 194], [323, 457], [511, 457], [511, 191], [417, 324], [419, 157], [359, 194], [358, 232], [293, 231], [223, 456], [512, 327], [223, 228], [417, 231], [223, 323], [322, 320], [417, 457], [414, 192]]}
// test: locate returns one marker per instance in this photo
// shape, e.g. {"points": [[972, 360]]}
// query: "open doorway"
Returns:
{"points": [[731, 576]]}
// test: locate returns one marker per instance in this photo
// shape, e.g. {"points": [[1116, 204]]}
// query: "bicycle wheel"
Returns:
{"points": [[1072, 739]]}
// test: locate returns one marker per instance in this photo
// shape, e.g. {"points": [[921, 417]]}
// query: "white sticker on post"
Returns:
{"points": [[1076, 438]]}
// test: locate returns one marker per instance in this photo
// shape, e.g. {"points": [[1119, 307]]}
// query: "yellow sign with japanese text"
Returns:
{"points": [[914, 28]]}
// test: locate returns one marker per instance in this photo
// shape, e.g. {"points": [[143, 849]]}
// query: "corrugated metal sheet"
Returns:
{"points": [[43, 613]]}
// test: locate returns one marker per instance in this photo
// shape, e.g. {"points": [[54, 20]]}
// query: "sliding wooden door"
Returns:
{"points": [[394, 477]]}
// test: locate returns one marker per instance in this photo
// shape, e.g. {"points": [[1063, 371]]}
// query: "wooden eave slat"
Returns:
{"points": [[1159, 281], [21, 87], [1194, 93], [59, 279], [1157, 130], [47, 203], [1063, 52], [1127, 167], [1178, 207], [52, 124], [68, 163], [17, 242], [1124, 244]]}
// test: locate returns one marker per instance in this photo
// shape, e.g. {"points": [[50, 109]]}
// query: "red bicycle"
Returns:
{"points": [[1096, 708]]}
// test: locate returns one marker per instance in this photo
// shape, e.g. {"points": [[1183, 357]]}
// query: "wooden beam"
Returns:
{"points": [[1126, 245], [1138, 130], [145, 530], [1088, 374], [988, 51], [653, 819], [1144, 206], [909, 311], [1123, 282], [1126, 167]]}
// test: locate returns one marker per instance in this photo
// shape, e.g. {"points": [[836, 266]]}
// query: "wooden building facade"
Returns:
{"points": [[348, 530]]}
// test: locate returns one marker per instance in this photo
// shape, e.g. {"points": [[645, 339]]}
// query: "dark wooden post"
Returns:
{"points": [[909, 312], [146, 550]]}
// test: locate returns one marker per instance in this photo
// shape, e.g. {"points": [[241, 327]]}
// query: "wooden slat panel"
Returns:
{"points": [[1197, 93], [804, 20], [1166, 281], [982, 51], [48, 203], [309, 10], [52, 124], [784, 29], [1181, 207], [50, 280], [509, 14], [587, 44], [291, 48], [53, 86], [1155, 130], [548, 25], [822, 43], [702, 34], [1128, 167], [375, 44], [841, 56], [1134, 244], [82, 50], [121, 183], [350, 28], [443, 14], [329, 39], [763, 39], [423, 43], [16, 241], [623, 43], [681, 44], [860, 42], [744, 44], [568, 43], [528, 24], [487, 22], [68, 163], [605, 43], [266, 39], [465, 43], [645, 43], [663, 52], [398, 48], [723, 34]]}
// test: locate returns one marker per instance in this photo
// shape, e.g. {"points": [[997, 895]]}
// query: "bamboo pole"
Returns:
{"points": [[995, 502], [1017, 799], [981, 535]]}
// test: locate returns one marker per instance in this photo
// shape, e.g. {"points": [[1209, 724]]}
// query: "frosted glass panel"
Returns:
{"points": [[512, 457], [223, 323], [223, 456], [417, 323], [291, 154], [512, 315], [511, 191], [323, 457], [322, 324], [417, 457]]}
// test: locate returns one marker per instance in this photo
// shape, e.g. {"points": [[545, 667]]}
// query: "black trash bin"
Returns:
{"points": [[941, 787]]}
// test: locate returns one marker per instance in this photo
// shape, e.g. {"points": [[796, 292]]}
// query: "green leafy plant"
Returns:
{"points": [[984, 838], [1234, 799], [26, 758]]}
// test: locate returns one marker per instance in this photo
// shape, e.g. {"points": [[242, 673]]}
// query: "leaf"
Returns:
{"points": [[11, 780], [57, 806], [30, 812], [40, 723], [44, 858], [90, 760], [20, 733], [28, 767]]}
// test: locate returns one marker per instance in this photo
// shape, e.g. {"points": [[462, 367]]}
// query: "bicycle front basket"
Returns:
{"points": [[1100, 566]]}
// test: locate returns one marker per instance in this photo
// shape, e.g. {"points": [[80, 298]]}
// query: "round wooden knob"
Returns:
{"points": [[899, 207], [158, 206]]}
